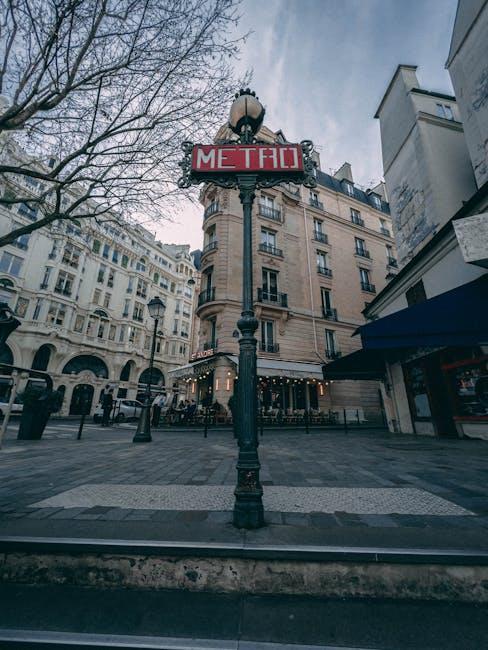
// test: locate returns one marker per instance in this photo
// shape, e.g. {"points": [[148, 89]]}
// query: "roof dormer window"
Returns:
{"points": [[348, 187]]}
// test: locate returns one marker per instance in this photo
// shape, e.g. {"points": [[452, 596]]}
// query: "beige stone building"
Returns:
{"points": [[319, 257]]}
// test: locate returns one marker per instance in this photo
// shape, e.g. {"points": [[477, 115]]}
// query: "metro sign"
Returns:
{"points": [[282, 159]]}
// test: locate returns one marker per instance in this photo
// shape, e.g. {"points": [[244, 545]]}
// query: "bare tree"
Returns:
{"points": [[97, 96]]}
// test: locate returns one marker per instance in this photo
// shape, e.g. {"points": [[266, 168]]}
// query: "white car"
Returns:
{"points": [[124, 409], [16, 409]]}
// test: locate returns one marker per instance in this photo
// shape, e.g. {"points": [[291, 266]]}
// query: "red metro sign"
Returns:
{"points": [[283, 159]]}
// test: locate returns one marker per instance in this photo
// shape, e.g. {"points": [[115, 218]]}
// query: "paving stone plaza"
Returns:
{"points": [[327, 485]]}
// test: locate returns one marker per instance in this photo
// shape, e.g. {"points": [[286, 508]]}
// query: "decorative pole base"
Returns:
{"points": [[143, 432]]}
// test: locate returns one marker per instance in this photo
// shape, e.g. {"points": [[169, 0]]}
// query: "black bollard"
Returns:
{"points": [[82, 422], [345, 421], [205, 421], [261, 423], [305, 415]]}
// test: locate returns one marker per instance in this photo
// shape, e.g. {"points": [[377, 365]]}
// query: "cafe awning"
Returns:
{"points": [[193, 369], [362, 364], [455, 318], [291, 369]]}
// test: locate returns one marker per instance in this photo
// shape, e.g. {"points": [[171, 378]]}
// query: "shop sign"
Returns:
{"points": [[225, 158], [202, 354]]}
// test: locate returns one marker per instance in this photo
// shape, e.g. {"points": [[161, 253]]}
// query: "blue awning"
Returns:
{"points": [[455, 318]]}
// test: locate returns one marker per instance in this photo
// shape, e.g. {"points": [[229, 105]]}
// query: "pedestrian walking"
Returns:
{"points": [[107, 405], [156, 409]]}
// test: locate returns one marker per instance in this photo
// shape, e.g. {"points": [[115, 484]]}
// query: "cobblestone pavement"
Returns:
{"points": [[361, 480]]}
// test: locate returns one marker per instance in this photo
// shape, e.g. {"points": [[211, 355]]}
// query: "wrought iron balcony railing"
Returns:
{"points": [[269, 213], [367, 286], [208, 295], [320, 236], [211, 246], [269, 347], [392, 262], [332, 354], [385, 231], [273, 297], [357, 220], [363, 253], [323, 270], [329, 314], [315, 203], [272, 250], [211, 209]]}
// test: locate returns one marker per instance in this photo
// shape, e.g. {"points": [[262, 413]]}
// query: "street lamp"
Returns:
{"points": [[247, 164], [156, 308]]}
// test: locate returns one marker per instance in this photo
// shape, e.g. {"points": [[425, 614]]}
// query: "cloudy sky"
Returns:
{"points": [[321, 67]]}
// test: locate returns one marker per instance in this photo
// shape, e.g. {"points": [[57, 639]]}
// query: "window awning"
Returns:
{"points": [[455, 318], [193, 369], [363, 364], [279, 368]]}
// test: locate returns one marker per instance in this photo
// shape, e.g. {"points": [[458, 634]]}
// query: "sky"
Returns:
{"points": [[321, 68]]}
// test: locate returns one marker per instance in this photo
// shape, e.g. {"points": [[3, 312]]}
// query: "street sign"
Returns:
{"points": [[249, 158]]}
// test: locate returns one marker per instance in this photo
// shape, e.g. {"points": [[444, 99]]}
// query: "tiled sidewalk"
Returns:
{"points": [[423, 490]]}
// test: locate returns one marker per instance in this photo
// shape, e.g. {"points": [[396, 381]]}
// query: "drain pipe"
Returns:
{"points": [[311, 288]]}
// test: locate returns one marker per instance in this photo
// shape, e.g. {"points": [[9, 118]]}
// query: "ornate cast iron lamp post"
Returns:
{"points": [[247, 164], [156, 308]]}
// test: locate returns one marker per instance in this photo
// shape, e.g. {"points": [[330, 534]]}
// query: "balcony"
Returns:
{"points": [[269, 347], [332, 354], [321, 237], [269, 213], [329, 314], [291, 189], [138, 318], [362, 252], [184, 335], [274, 298], [358, 221], [392, 262], [44, 285], [385, 231], [206, 296], [367, 286], [272, 250], [211, 246], [63, 291], [211, 209], [323, 270], [315, 203]]}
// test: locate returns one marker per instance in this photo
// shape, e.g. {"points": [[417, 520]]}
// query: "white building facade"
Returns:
{"points": [[80, 291]]}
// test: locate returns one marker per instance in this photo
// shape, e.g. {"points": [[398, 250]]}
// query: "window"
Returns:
{"points": [[364, 275], [134, 335], [268, 237], [178, 307], [79, 323], [37, 309], [138, 313], [186, 310], [96, 246], [125, 261], [111, 332], [360, 246], [270, 284], [122, 333], [317, 226], [106, 251], [71, 256], [130, 285], [185, 328], [416, 294], [10, 264], [101, 273], [56, 313], [115, 256], [141, 265], [21, 307], [356, 217], [156, 278], [147, 342], [22, 241], [125, 313], [164, 283], [213, 332], [172, 287], [45, 280], [267, 336], [445, 111], [330, 344], [141, 290], [106, 300], [376, 200], [64, 283], [322, 260], [101, 330], [315, 201], [175, 326], [326, 300], [27, 211], [349, 188], [96, 296], [111, 276]]}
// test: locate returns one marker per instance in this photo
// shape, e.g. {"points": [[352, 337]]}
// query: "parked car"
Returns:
{"points": [[16, 409], [124, 409]]}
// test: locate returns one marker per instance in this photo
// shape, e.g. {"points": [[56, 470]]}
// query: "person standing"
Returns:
{"points": [[156, 409], [107, 405]]}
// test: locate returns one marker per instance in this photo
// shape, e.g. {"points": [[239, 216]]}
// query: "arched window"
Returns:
{"points": [[86, 362], [5, 283], [126, 370], [41, 358], [141, 265], [157, 378], [101, 313]]}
